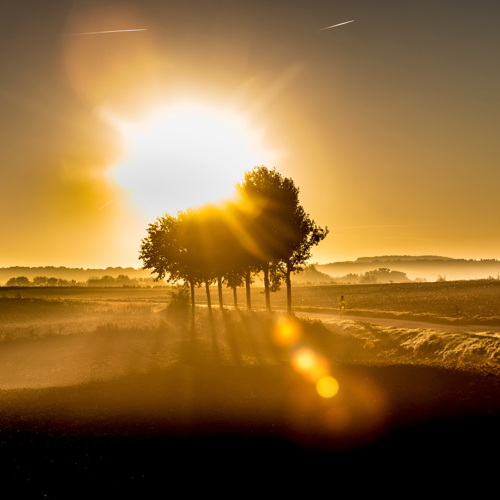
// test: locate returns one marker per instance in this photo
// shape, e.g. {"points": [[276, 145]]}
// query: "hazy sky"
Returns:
{"points": [[389, 125]]}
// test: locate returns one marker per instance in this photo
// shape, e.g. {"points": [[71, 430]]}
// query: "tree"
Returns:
{"points": [[197, 249], [246, 253], [283, 231], [19, 281], [270, 204], [168, 251], [302, 234], [213, 246], [40, 280]]}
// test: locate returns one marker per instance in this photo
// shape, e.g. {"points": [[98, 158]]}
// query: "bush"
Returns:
{"points": [[178, 307]]}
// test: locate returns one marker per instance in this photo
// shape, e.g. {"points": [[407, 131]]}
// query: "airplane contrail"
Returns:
{"points": [[335, 25], [384, 225], [103, 206], [76, 34], [99, 32]]}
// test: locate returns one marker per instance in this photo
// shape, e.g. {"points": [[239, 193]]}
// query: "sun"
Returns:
{"points": [[185, 156]]}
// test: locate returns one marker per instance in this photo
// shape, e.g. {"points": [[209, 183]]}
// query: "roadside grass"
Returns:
{"points": [[385, 345]]}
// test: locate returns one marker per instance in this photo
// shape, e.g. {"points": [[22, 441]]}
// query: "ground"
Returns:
{"points": [[126, 395]]}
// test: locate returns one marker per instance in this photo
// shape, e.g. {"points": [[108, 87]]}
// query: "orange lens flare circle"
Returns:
{"points": [[286, 332], [327, 387], [306, 362]]}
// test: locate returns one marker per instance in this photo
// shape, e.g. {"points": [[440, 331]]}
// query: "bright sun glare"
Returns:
{"points": [[185, 156]]}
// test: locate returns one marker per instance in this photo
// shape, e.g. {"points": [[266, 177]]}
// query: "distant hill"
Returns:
{"points": [[428, 267], [392, 258]]}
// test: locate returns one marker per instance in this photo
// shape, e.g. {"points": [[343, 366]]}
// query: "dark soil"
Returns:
{"points": [[201, 425]]}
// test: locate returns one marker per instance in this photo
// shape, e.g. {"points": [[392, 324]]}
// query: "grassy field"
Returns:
{"points": [[114, 386], [478, 301]]}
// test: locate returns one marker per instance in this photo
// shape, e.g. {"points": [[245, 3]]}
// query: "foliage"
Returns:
{"points": [[179, 294], [178, 307], [162, 250]]}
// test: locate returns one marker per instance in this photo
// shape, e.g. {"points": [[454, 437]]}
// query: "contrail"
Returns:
{"points": [[103, 206], [99, 32], [384, 225], [335, 25], [76, 34]]}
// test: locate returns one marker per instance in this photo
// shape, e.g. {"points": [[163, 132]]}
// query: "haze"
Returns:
{"points": [[388, 125]]}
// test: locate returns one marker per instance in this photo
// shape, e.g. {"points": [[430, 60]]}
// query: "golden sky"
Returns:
{"points": [[388, 125]]}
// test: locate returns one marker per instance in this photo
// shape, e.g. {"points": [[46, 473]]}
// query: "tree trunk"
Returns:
{"points": [[191, 284], [235, 297], [247, 285], [288, 289], [209, 302], [266, 287], [219, 286]]}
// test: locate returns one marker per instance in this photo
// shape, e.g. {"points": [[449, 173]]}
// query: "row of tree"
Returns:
{"points": [[264, 229], [381, 275], [40, 281], [104, 281]]}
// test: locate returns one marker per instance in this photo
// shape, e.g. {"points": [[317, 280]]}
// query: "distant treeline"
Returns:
{"points": [[382, 275], [121, 280], [70, 274]]}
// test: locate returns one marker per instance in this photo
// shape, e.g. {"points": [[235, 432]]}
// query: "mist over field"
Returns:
{"points": [[429, 268]]}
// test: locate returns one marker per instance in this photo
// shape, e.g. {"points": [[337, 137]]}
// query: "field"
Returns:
{"points": [[477, 301], [114, 387]]}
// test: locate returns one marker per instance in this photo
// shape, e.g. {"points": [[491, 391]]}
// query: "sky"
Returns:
{"points": [[388, 125]]}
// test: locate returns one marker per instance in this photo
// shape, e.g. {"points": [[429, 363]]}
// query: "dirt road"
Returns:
{"points": [[399, 322]]}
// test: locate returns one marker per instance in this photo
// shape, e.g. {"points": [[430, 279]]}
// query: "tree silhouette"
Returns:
{"points": [[265, 230], [246, 253], [284, 232], [307, 235], [262, 190], [166, 250], [197, 254], [215, 244]]}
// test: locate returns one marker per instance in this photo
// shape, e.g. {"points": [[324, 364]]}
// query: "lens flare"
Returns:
{"points": [[286, 332], [309, 364], [327, 387]]}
